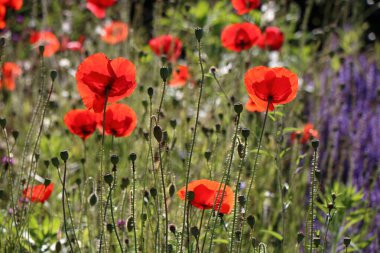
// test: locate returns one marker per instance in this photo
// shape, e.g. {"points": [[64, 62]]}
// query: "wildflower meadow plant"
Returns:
{"points": [[189, 126]]}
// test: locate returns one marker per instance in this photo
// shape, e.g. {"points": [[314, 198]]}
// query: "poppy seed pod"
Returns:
{"points": [[109, 227], [108, 178], [153, 192], [157, 132], [238, 107], [15, 134], [194, 231], [55, 162], [190, 196], [347, 241], [315, 144], [171, 190], [2, 41], [3, 122], [172, 228], [46, 163], [251, 221], [173, 123], [317, 241], [64, 155], [150, 91], [208, 155], [53, 75], [199, 33], [300, 237], [132, 157], [93, 199], [114, 159], [47, 182], [164, 73], [41, 49], [245, 132], [124, 183]]}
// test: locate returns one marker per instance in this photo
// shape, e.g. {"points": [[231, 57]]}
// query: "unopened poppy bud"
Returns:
{"points": [[315, 144], [157, 132], [132, 157], [93, 199], [64, 155], [3, 122], [58, 246], [53, 75], [15, 134], [47, 163], [109, 227], [251, 221], [241, 150], [114, 159], [130, 224], [208, 155], [238, 107], [187, 8], [238, 235], [172, 228], [150, 92], [317, 241], [346, 241], [2, 41], [245, 132], [330, 206], [124, 183], [194, 231], [41, 48], [198, 33], [300, 237], [55, 162], [37, 156], [47, 181], [153, 192], [213, 70], [108, 178], [173, 123], [218, 127], [190, 195], [171, 190], [164, 73], [242, 200]]}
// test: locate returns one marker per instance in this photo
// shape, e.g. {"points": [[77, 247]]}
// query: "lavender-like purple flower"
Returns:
{"points": [[121, 224]]}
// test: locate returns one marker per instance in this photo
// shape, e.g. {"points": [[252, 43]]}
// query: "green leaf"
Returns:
{"points": [[272, 233]]}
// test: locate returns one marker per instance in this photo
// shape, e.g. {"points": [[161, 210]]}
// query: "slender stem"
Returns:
{"points": [[164, 198], [253, 177], [200, 228], [133, 203], [312, 198], [112, 215], [193, 141], [64, 209], [161, 101], [220, 87], [328, 221]]}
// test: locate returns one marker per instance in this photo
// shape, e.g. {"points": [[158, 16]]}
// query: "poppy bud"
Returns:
{"points": [[64, 155], [78, 181], [108, 178], [171, 190], [172, 228], [150, 92], [3, 122], [251, 221], [93, 199], [36, 156], [2, 41], [242, 200], [213, 70], [330, 206], [208, 155], [130, 224], [58, 247], [47, 181], [346, 241], [53, 75], [47, 163], [41, 49], [194, 231], [187, 8], [132, 157], [55, 162], [190, 195], [238, 235], [109, 227], [218, 127], [317, 241], [300, 237], [124, 183], [15, 134], [199, 33], [245, 132], [164, 73], [153, 192], [315, 144], [173, 123], [157, 132], [238, 107], [114, 159]]}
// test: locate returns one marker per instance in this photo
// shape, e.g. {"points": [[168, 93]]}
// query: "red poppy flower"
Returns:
{"points": [[308, 133], [38, 193], [252, 107], [121, 120], [47, 39], [10, 72], [115, 32], [238, 37], [98, 7], [276, 85], [272, 38], [98, 75], [166, 45], [77, 45], [14, 4], [205, 194], [81, 122], [180, 76], [244, 6], [3, 11]]}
